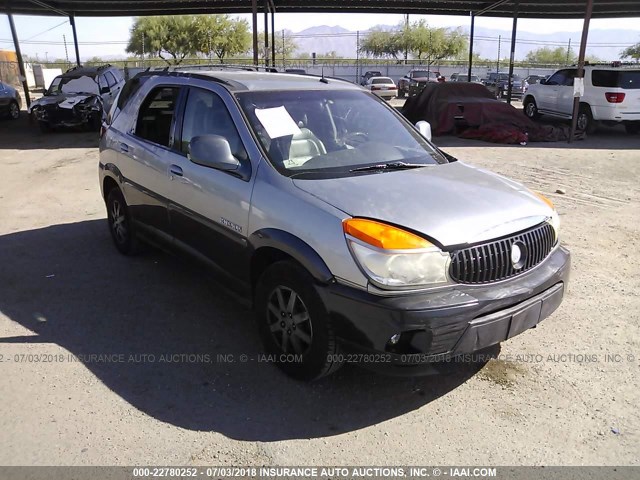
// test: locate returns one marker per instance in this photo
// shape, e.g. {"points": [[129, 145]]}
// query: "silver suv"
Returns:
{"points": [[353, 237]]}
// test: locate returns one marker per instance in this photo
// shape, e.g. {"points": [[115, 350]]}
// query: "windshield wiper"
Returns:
{"points": [[389, 166]]}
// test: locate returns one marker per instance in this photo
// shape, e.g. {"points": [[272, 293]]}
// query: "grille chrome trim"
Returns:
{"points": [[490, 261]]}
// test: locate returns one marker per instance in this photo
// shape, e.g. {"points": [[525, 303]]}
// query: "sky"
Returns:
{"points": [[108, 36]]}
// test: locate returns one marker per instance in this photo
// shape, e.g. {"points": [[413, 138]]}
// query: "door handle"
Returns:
{"points": [[175, 170], [124, 148]]}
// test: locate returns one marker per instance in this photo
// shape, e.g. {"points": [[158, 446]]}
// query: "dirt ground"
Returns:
{"points": [[566, 393]]}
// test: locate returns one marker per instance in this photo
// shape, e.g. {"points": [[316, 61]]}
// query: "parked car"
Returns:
{"points": [[533, 79], [383, 87], [464, 77], [10, 101], [367, 75], [337, 220], [611, 95], [417, 79], [78, 97], [498, 83]]}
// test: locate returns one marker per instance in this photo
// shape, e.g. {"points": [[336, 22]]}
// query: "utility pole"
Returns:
{"points": [[283, 62], [498, 62], [357, 56], [66, 52], [568, 53], [209, 47], [143, 52], [406, 38]]}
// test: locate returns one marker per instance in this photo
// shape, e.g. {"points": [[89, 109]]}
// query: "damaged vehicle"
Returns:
{"points": [[78, 98]]}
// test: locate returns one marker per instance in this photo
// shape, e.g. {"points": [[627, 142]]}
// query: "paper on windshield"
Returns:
{"points": [[277, 122], [82, 84]]}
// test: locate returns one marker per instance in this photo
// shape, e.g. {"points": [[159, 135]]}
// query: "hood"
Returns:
{"points": [[453, 203], [62, 100]]}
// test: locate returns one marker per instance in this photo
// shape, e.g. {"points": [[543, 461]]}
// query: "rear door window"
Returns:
{"points": [[155, 118], [616, 78]]}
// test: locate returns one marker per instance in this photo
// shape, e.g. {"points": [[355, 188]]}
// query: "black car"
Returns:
{"points": [[369, 74], [498, 83], [10, 101], [78, 98]]}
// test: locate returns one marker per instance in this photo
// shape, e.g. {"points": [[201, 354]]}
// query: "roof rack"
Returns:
{"points": [[171, 73], [613, 64], [222, 66]]}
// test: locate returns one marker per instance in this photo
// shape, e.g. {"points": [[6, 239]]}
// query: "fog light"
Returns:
{"points": [[394, 339]]}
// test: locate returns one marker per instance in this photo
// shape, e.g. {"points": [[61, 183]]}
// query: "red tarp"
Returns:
{"points": [[469, 110]]}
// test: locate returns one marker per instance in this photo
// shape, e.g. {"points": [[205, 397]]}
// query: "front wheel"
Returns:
{"points": [[401, 93], [294, 325], [14, 110], [531, 109]]}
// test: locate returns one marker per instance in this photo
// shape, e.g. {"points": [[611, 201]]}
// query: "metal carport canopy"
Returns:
{"points": [[526, 9]]}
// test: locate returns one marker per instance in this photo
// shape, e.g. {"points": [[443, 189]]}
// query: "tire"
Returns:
{"points": [[531, 109], [401, 93], [94, 122], [310, 335], [14, 110], [120, 224], [585, 121], [632, 127]]}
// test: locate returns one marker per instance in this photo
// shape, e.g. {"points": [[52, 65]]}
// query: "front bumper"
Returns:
{"points": [[441, 325]]}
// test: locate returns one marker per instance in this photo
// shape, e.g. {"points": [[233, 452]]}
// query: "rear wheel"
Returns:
{"points": [[632, 127], [585, 121], [401, 92], [531, 109], [293, 323], [14, 110], [120, 223]]}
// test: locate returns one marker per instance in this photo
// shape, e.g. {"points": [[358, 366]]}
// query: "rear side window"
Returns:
{"points": [[156, 115], [616, 78]]}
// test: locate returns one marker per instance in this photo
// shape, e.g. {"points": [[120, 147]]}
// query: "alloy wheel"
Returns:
{"points": [[14, 110], [118, 222], [531, 110], [289, 321]]}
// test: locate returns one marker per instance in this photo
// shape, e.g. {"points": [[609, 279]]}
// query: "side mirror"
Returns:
{"points": [[212, 151], [424, 128], [105, 90], [542, 81]]}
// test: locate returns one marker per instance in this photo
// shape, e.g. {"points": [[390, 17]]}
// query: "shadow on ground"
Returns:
{"points": [[67, 284], [21, 134]]}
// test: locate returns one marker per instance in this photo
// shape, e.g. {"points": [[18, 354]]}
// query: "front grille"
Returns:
{"points": [[491, 261]]}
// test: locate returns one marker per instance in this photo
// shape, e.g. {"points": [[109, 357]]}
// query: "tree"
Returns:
{"points": [[223, 35], [418, 38], [171, 38], [552, 56], [631, 52], [381, 43]]}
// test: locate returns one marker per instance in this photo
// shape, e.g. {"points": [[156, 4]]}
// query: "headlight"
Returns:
{"points": [[394, 258], [554, 219]]}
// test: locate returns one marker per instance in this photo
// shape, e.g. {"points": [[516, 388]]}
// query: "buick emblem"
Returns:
{"points": [[518, 254]]}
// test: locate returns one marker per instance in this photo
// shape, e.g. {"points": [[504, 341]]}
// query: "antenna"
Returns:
{"points": [[323, 80]]}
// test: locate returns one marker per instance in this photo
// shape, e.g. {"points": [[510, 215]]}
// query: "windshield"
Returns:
{"points": [[84, 84], [329, 133]]}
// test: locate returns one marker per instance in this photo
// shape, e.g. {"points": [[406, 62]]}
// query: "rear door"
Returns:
{"points": [[146, 151]]}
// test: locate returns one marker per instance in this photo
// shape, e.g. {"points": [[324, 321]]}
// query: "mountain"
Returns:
{"points": [[603, 44]]}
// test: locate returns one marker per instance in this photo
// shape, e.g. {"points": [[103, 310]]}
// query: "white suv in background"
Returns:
{"points": [[611, 95]]}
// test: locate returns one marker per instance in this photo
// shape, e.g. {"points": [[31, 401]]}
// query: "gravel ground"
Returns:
{"points": [[551, 397]]}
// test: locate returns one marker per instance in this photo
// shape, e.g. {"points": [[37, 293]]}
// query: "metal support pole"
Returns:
{"points": [[513, 51], [254, 18], [266, 33], [473, 24], [580, 72], [273, 34], [406, 47], [357, 56], [283, 50], [72, 20], [568, 53], [16, 44]]}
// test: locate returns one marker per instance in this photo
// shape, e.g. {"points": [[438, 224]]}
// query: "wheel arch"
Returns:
{"points": [[112, 178], [270, 245]]}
